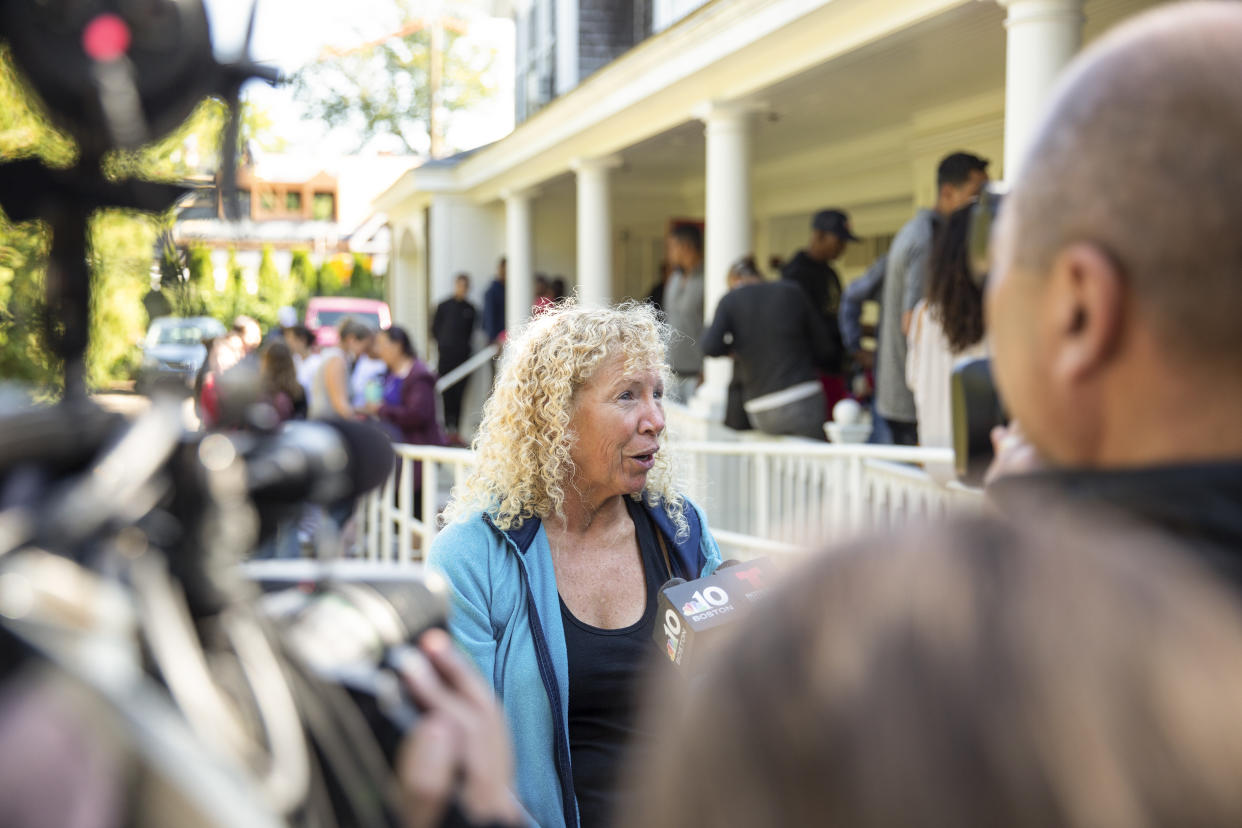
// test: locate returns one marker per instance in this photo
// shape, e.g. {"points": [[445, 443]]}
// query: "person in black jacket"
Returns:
{"points": [[779, 345], [811, 269], [452, 327]]}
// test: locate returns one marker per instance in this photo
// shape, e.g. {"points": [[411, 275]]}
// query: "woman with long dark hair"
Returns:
{"points": [[278, 378], [945, 327]]}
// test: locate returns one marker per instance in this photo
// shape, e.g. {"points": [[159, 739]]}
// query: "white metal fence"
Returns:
{"points": [[766, 496], [760, 496]]}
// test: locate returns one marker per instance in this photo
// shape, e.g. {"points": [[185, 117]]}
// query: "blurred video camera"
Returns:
{"points": [[186, 687], [976, 405]]}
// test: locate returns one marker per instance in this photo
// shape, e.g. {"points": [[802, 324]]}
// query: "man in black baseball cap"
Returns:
{"points": [[834, 222], [812, 269]]}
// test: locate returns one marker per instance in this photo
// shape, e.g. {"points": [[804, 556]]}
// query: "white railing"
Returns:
{"points": [[761, 497], [769, 496], [387, 529]]}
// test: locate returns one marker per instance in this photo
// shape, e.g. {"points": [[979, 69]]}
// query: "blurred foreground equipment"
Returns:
{"points": [[114, 74], [146, 678]]}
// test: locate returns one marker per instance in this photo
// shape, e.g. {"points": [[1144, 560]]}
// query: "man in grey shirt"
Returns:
{"points": [[683, 309], [959, 178]]}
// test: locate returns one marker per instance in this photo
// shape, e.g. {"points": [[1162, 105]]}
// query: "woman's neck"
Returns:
{"points": [[403, 366], [583, 515]]}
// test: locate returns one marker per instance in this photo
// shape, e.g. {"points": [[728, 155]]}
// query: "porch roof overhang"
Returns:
{"points": [[725, 51]]}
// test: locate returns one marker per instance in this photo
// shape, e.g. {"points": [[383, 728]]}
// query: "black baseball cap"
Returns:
{"points": [[833, 221]]}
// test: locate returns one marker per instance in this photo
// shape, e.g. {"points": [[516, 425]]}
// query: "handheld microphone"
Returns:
{"points": [[689, 611]]}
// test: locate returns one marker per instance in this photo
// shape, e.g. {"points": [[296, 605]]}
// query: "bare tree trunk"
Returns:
{"points": [[435, 80]]}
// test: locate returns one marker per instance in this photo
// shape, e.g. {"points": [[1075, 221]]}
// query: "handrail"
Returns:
{"points": [[467, 368]]}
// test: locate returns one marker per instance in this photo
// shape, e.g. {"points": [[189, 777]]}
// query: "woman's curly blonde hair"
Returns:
{"points": [[523, 444]]}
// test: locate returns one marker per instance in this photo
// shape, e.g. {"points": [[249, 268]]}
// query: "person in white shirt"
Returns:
{"points": [[946, 326]]}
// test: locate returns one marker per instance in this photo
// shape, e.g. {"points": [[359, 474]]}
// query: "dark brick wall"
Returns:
{"points": [[607, 28]]}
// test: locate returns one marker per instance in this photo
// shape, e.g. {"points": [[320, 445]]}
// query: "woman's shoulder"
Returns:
{"points": [[420, 372], [465, 543]]}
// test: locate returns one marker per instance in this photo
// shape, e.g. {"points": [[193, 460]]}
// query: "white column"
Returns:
{"points": [[520, 256], [1043, 36], [594, 228], [566, 45], [727, 234]]}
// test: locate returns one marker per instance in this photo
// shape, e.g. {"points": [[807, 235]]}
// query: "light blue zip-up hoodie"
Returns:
{"points": [[506, 615]]}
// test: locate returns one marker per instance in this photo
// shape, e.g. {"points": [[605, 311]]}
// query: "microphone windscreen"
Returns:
{"points": [[371, 457], [672, 582]]}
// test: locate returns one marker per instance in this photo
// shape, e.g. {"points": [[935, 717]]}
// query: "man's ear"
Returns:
{"points": [[1086, 310]]}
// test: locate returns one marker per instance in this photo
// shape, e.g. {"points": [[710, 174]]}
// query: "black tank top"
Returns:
{"points": [[606, 673]]}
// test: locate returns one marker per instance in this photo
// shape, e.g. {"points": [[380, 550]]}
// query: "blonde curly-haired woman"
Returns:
{"points": [[559, 542]]}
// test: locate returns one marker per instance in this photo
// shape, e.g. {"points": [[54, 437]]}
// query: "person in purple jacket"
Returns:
{"points": [[407, 403]]}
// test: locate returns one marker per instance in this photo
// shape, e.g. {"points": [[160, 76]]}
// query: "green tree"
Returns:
{"points": [[25, 132], [24, 355], [406, 86], [194, 147], [274, 290], [331, 278], [201, 273], [362, 281], [122, 244], [303, 277]]}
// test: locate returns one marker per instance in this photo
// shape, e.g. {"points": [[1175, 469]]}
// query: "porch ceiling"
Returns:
{"points": [[957, 55]]}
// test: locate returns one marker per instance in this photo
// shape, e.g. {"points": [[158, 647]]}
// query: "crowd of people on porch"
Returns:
{"points": [[796, 353]]}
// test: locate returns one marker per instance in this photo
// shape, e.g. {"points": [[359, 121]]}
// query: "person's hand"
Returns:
{"points": [[371, 408], [460, 745], [1014, 454]]}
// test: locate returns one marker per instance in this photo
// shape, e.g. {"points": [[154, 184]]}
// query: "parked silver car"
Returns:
{"points": [[173, 350]]}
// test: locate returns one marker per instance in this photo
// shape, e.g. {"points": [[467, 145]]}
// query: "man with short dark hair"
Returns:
{"points": [[451, 327], [683, 309], [494, 304], [1115, 335], [959, 178]]}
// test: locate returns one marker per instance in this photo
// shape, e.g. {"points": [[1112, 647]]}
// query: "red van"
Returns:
{"points": [[324, 313]]}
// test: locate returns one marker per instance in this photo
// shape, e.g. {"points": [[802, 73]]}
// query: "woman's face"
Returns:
{"points": [[387, 350], [617, 422], [356, 347]]}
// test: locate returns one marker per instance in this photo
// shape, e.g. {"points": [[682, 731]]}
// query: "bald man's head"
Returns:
{"points": [[1141, 154], [1115, 300]]}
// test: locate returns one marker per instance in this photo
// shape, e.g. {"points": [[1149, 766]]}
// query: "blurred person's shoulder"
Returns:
{"points": [[915, 232], [1198, 506]]}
